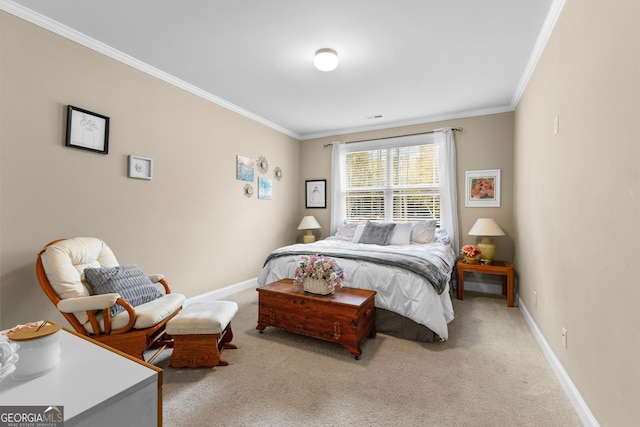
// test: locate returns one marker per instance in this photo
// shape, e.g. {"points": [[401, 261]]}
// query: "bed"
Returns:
{"points": [[410, 268]]}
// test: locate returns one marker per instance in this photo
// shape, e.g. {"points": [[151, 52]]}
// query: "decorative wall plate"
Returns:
{"points": [[262, 164], [277, 173], [248, 190]]}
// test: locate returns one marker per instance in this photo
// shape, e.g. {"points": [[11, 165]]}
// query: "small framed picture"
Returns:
{"points": [[140, 167], [482, 188], [244, 168], [316, 193], [87, 130], [265, 188]]}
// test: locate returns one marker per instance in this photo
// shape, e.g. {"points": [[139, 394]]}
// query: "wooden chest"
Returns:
{"points": [[346, 317]]}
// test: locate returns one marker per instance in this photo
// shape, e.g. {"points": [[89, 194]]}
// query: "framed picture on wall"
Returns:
{"points": [[140, 167], [87, 130], [316, 193], [244, 168], [482, 188], [265, 188]]}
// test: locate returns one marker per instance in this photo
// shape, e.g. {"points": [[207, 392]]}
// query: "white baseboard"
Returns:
{"points": [[223, 292], [583, 411], [580, 406]]}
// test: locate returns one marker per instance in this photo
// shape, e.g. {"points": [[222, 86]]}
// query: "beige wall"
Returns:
{"points": [[485, 143], [191, 222], [577, 201], [574, 196]]}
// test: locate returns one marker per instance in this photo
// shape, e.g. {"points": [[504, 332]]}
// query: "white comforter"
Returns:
{"points": [[398, 289]]}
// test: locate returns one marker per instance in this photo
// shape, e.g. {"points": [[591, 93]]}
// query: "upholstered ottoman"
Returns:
{"points": [[201, 331]]}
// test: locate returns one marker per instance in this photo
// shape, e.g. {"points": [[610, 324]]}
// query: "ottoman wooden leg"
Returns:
{"points": [[193, 351], [225, 342], [202, 350]]}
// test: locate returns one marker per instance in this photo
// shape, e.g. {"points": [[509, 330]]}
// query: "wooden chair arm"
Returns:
{"points": [[132, 318], [159, 278], [164, 283], [155, 278], [106, 320]]}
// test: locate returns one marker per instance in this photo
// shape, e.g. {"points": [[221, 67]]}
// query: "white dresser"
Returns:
{"points": [[96, 386]]}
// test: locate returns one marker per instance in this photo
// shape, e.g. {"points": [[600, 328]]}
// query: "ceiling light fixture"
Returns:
{"points": [[326, 59]]}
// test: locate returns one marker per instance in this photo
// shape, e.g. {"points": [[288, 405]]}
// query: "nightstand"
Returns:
{"points": [[501, 268]]}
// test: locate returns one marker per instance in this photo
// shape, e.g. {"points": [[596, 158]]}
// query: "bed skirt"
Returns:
{"points": [[390, 323]]}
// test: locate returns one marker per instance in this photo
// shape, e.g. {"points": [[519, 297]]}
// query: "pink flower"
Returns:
{"points": [[470, 251], [318, 267]]}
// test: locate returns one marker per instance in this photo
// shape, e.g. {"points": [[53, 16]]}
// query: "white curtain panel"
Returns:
{"points": [[338, 207], [448, 185]]}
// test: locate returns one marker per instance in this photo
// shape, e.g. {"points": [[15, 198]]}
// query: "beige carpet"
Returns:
{"points": [[491, 372]]}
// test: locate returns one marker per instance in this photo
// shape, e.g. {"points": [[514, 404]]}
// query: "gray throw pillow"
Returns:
{"points": [[127, 280], [377, 233]]}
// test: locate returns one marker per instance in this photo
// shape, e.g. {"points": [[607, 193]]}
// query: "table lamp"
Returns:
{"points": [[309, 223], [486, 227]]}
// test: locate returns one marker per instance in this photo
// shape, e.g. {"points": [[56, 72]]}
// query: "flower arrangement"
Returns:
{"points": [[318, 267], [470, 251]]}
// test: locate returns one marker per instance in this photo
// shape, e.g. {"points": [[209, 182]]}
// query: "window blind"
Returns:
{"points": [[392, 184]]}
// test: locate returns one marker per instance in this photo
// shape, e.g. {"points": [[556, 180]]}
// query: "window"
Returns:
{"points": [[392, 184]]}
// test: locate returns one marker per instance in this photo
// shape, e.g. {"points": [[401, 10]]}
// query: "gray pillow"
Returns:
{"points": [[377, 233], [127, 280]]}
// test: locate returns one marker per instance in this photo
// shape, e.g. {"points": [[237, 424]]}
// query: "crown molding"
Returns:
{"points": [[547, 28], [84, 40], [417, 121]]}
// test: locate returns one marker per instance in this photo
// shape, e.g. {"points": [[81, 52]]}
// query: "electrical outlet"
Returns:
{"points": [[564, 337], [535, 299]]}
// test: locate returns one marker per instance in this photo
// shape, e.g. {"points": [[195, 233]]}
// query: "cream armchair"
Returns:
{"points": [[60, 269]]}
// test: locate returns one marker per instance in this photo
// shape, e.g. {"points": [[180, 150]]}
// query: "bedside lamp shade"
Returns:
{"points": [[486, 227], [309, 223]]}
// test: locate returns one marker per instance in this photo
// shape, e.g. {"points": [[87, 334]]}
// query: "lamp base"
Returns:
{"points": [[308, 237], [487, 251]]}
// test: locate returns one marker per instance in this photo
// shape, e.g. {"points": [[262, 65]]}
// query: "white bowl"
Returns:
{"points": [[37, 356]]}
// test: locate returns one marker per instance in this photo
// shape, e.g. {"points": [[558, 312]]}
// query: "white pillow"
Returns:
{"points": [[424, 231], [401, 234], [346, 231], [358, 233]]}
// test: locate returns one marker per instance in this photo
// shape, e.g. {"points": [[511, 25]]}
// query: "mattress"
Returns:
{"points": [[416, 287]]}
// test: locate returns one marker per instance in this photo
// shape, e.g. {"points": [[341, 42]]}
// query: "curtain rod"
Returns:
{"points": [[460, 129]]}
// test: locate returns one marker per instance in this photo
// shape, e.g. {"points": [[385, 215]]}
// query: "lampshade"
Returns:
{"points": [[308, 223], [326, 59], [486, 227]]}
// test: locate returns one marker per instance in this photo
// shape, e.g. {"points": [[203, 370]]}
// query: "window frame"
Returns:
{"points": [[388, 189]]}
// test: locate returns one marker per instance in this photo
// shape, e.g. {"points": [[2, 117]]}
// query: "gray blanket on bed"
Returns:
{"points": [[428, 265]]}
